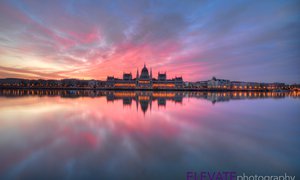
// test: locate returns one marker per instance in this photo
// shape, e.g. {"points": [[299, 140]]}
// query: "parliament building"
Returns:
{"points": [[144, 81]]}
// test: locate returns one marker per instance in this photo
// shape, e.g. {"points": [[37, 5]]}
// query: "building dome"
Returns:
{"points": [[145, 73]]}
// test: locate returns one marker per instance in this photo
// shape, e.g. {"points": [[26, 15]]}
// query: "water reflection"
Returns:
{"points": [[145, 99], [102, 134]]}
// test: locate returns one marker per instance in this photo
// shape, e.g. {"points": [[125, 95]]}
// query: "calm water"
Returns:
{"points": [[146, 135]]}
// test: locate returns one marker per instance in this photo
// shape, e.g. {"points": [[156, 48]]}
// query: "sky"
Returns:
{"points": [[236, 40]]}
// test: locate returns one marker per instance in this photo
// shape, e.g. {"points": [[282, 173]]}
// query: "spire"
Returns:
{"points": [[144, 64], [151, 73], [137, 73]]}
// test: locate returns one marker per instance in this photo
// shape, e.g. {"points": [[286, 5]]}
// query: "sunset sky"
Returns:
{"points": [[240, 40]]}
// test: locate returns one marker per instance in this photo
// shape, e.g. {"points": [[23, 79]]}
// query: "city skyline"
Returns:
{"points": [[245, 41]]}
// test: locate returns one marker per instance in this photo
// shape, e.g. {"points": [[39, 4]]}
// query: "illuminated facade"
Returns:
{"points": [[144, 81]]}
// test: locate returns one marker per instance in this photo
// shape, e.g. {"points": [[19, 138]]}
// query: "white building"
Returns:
{"points": [[215, 83]]}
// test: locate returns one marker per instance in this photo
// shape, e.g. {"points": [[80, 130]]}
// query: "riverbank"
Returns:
{"points": [[146, 89]]}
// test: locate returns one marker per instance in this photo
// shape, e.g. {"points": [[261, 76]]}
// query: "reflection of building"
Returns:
{"points": [[145, 99], [144, 81]]}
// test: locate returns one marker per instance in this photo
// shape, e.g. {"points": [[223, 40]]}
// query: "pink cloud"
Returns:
{"points": [[73, 41]]}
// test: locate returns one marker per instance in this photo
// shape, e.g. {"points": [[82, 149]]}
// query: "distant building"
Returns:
{"points": [[276, 85], [127, 76], [215, 83], [162, 76], [144, 81], [198, 84]]}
